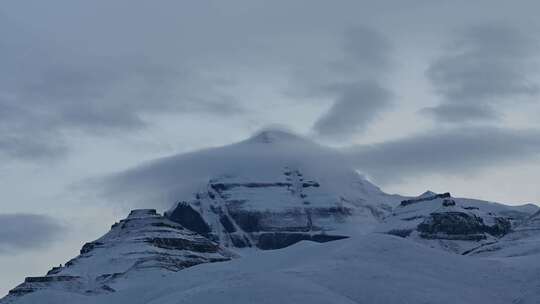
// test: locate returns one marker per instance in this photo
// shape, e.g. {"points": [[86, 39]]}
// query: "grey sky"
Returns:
{"points": [[425, 94], [463, 150], [27, 232], [486, 66]]}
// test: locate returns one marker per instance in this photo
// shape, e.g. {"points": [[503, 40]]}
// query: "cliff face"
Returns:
{"points": [[272, 214], [143, 241], [523, 240]]}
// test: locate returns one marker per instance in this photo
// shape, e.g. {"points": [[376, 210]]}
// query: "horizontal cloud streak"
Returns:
{"points": [[22, 231], [456, 151]]}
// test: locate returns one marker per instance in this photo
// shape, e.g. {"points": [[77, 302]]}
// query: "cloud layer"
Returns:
{"points": [[22, 232], [456, 151], [486, 66]]}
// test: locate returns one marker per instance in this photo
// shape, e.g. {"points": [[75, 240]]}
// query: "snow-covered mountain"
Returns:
{"points": [[269, 191], [237, 204], [142, 242]]}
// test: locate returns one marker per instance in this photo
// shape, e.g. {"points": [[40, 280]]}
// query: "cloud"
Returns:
{"points": [[357, 106], [455, 152], [365, 52], [457, 112], [76, 75], [32, 147], [163, 181], [357, 93], [22, 231], [47, 90], [485, 67]]}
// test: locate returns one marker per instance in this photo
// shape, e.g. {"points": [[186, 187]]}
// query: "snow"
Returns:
{"points": [[374, 268]]}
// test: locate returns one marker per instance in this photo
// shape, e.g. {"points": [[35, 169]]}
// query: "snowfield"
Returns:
{"points": [[375, 268]]}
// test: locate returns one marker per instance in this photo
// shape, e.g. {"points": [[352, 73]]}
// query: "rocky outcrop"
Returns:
{"points": [[424, 198], [144, 241], [456, 225], [466, 226], [523, 240]]}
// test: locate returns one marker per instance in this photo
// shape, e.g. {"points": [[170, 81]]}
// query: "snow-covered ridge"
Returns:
{"points": [[143, 241], [452, 224]]}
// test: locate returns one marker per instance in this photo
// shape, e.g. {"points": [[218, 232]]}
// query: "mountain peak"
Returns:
{"points": [[268, 136], [142, 213], [428, 193]]}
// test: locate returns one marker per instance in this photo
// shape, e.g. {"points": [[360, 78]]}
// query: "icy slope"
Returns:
{"points": [[375, 268], [143, 241]]}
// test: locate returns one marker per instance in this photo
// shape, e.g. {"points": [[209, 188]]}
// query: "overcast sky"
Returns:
{"points": [[425, 94]]}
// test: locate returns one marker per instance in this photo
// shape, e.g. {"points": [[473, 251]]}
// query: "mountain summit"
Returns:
{"points": [[268, 136], [261, 158]]}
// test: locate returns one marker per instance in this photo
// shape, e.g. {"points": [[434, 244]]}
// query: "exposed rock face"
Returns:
{"points": [[143, 241], [456, 225], [424, 198], [273, 214], [465, 226], [521, 241]]}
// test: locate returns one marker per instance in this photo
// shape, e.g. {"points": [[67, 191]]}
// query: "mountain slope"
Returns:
{"points": [[143, 241]]}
